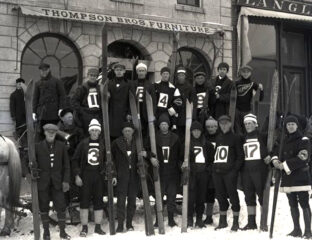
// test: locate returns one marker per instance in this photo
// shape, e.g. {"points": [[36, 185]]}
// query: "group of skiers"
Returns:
{"points": [[71, 152]]}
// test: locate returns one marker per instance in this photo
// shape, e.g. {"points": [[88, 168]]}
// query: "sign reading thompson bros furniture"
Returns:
{"points": [[98, 18], [289, 6]]}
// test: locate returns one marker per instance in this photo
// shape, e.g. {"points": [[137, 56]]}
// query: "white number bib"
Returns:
{"points": [[221, 155], [92, 99], [139, 93], [199, 154], [166, 153], [163, 100], [252, 150], [93, 155], [200, 99]]}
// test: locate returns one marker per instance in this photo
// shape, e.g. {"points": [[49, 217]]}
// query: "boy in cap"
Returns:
{"points": [[228, 160], [254, 171], [125, 159], [54, 170], [201, 158], [49, 97], [246, 88], [202, 90], [170, 157], [119, 108], [219, 98], [211, 134], [141, 85], [187, 92], [167, 97], [86, 100], [89, 169]]}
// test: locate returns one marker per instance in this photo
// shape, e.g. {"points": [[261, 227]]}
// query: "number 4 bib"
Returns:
{"points": [[221, 155], [163, 100]]}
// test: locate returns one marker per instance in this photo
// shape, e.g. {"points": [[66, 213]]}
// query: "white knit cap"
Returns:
{"points": [[251, 117], [211, 121], [94, 124], [141, 65]]}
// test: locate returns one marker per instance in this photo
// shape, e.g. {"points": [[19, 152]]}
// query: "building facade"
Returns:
{"points": [[67, 35]]}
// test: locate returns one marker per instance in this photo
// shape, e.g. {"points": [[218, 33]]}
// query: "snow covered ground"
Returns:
{"points": [[283, 225]]}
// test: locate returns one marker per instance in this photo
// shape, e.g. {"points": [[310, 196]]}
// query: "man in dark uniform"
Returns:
{"points": [[125, 159], [89, 167], [167, 97], [227, 164], [219, 97], [254, 171], [246, 89], [49, 97], [18, 115], [201, 159], [211, 135], [187, 92], [170, 159], [86, 100], [119, 109], [53, 165], [202, 91]]}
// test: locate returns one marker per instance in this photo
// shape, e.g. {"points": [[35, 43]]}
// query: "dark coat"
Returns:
{"points": [[118, 105], [61, 170], [298, 177], [220, 106], [17, 107], [173, 167], [49, 98], [126, 166], [80, 158]]}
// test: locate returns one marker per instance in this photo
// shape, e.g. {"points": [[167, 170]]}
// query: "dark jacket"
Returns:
{"points": [[80, 158], [126, 166], [118, 105], [17, 107], [255, 150], [220, 106], [296, 175], [175, 151], [229, 155], [49, 98], [60, 172]]}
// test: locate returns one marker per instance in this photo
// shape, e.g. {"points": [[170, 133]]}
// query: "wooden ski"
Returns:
{"points": [[174, 56], [189, 111], [232, 108]]}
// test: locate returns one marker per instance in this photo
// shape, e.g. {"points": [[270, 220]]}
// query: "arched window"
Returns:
{"points": [[56, 50], [193, 61], [120, 49]]}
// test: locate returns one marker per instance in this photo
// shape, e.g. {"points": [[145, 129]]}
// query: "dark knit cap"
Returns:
{"points": [[291, 118], [20, 80], [165, 69], [44, 66], [199, 74], [224, 65], [66, 110], [127, 125], [196, 125], [164, 118]]}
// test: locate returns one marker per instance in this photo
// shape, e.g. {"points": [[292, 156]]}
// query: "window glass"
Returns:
{"points": [[293, 49], [194, 3]]}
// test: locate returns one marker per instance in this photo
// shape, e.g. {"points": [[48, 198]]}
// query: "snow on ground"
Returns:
{"points": [[283, 225]]}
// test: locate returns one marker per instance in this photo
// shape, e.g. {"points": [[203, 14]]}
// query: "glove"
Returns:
{"points": [[178, 101], [78, 181], [34, 116], [184, 166], [171, 111], [143, 154], [278, 164], [154, 162], [65, 187], [267, 159], [303, 155], [114, 181], [129, 118]]}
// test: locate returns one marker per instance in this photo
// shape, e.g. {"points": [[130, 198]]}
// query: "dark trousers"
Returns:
{"points": [[56, 195], [197, 193], [169, 187], [130, 193], [254, 184], [226, 186], [92, 189], [210, 191], [298, 197]]}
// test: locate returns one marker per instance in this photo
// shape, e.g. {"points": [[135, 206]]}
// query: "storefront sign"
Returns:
{"points": [[289, 6], [100, 18]]}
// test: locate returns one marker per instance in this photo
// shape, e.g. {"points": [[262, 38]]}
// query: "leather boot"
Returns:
{"points": [[222, 221], [296, 232], [251, 218], [307, 223], [171, 221], [235, 225]]}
